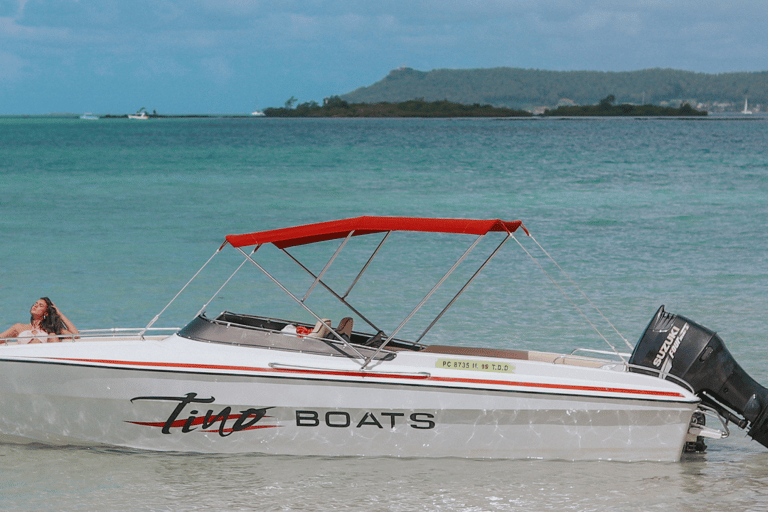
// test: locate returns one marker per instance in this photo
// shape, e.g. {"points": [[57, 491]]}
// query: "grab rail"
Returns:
{"points": [[660, 374], [366, 372], [602, 352], [112, 332], [136, 330]]}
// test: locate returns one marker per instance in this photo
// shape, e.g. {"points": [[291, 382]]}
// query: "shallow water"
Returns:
{"points": [[111, 218], [732, 475]]}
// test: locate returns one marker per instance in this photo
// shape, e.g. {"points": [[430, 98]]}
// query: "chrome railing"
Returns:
{"points": [[114, 332]]}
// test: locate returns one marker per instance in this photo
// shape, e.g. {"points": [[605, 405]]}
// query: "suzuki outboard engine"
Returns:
{"points": [[674, 345]]}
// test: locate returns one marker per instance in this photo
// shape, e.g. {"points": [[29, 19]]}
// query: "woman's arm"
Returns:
{"points": [[70, 326], [71, 329], [12, 332]]}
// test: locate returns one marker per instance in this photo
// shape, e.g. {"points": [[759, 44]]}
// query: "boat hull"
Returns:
{"points": [[222, 408]]}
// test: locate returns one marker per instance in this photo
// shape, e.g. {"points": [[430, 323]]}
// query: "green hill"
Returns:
{"points": [[532, 89]]}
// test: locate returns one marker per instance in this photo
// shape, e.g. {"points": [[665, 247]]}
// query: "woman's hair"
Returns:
{"points": [[51, 322]]}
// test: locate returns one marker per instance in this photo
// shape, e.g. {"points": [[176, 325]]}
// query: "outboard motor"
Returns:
{"points": [[674, 345]]}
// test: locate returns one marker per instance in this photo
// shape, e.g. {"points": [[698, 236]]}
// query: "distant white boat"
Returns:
{"points": [[138, 115], [746, 109], [89, 116], [258, 113]]}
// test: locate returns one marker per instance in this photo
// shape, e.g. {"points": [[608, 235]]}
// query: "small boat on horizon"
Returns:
{"points": [[746, 107], [89, 116], [245, 382]]}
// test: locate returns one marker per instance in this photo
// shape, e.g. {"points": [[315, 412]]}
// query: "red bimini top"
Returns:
{"points": [[321, 231]]}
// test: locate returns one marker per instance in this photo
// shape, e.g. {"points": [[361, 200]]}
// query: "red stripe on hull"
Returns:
{"points": [[340, 373]]}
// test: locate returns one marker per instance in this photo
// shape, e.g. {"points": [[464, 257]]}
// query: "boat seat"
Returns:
{"points": [[344, 329], [321, 330]]}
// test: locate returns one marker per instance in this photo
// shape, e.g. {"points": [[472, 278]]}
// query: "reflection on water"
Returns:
{"points": [[733, 475]]}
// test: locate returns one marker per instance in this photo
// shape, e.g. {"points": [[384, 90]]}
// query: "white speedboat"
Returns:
{"points": [[139, 115], [244, 383]]}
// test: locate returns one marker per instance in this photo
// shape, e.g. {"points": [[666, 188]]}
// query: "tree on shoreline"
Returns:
{"points": [[334, 106], [607, 108]]}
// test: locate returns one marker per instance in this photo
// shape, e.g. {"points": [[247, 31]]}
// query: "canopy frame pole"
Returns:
{"points": [[424, 300], [629, 345], [455, 297], [327, 265], [341, 299], [226, 282], [569, 299], [157, 316], [365, 267], [301, 303]]}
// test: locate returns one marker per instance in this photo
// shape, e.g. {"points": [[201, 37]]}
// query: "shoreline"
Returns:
{"points": [[712, 116]]}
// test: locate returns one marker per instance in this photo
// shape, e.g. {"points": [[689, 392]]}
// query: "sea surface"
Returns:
{"points": [[111, 218]]}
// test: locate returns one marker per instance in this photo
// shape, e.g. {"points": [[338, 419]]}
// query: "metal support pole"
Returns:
{"points": [[300, 302], [327, 265], [365, 267], [352, 308], [157, 316], [464, 287], [424, 300], [227, 281]]}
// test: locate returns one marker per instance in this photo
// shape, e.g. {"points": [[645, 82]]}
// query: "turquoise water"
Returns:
{"points": [[110, 218]]}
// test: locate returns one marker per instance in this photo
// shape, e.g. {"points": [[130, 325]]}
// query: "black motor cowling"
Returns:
{"points": [[674, 345]]}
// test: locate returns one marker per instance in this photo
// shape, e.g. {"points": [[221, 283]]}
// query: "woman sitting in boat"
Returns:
{"points": [[46, 325]]}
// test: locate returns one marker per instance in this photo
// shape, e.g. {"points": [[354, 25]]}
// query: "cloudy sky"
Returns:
{"points": [[233, 56]]}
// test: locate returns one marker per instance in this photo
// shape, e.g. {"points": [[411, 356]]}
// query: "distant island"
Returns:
{"points": [[336, 107], [419, 108], [535, 90], [606, 108]]}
